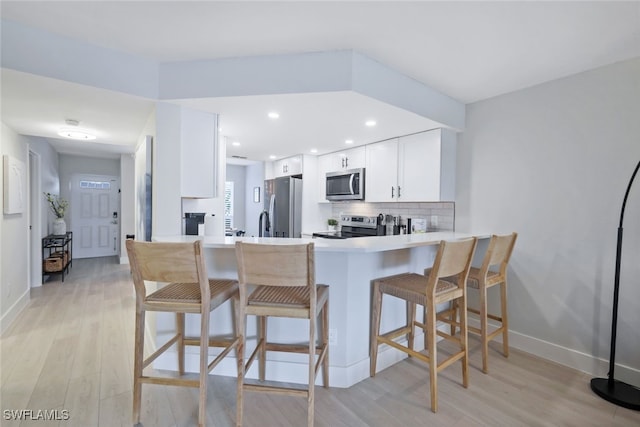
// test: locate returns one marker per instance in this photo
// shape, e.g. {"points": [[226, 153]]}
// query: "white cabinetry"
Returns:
{"points": [[381, 174], [340, 160], [198, 139], [284, 167], [346, 159], [414, 168]]}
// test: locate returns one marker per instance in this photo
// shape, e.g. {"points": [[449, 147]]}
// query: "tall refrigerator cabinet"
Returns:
{"points": [[283, 202]]}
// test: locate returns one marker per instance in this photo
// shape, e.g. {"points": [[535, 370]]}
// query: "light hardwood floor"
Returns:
{"points": [[72, 347]]}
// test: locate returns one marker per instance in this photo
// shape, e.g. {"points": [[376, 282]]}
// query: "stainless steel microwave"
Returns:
{"points": [[345, 185]]}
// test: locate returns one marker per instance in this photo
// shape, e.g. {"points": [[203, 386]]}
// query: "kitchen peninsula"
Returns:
{"points": [[347, 266]]}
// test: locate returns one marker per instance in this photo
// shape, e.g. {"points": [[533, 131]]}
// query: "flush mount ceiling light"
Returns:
{"points": [[72, 131], [314, 150], [370, 123], [273, 115], [348, 141]]}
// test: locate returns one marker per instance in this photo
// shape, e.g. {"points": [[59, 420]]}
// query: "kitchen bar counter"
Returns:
{"points": [[348, 266], [360, 244]]}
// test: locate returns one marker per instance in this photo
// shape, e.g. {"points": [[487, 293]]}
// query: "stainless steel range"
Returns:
{"points": [[355, 226]]}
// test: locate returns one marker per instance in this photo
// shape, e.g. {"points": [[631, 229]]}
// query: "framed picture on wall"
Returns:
{"points": [[14, 194]]}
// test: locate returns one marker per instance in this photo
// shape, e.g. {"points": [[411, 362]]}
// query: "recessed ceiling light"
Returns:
{"points": [[370, 123], [348, 141], [273, 115], [235, 143], [272, 157], [314, 150]]}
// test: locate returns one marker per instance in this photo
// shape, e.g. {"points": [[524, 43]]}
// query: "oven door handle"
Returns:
{"points": [[352, 178]]}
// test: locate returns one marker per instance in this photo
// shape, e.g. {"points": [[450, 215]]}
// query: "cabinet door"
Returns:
{"points": [[353, 158], [325, 164], [293, 165], [381, 172], [198, 138], [419, 167], [286, 167]]}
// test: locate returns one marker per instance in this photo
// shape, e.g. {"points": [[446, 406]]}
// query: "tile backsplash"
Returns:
{"points": [[439, 216]]}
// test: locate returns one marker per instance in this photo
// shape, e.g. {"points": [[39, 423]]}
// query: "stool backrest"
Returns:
{"points": [[499, 252], [452, 259], [167, 263], [276, 265]]}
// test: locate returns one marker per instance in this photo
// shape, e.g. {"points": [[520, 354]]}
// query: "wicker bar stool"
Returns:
{"points": [[188, 290], [279, 281], [452, 261]]}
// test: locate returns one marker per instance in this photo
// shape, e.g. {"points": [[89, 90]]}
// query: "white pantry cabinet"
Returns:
{"points": [[413, 168]]}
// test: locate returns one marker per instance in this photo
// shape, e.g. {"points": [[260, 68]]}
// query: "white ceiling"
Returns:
{"points": [[467, 50]]}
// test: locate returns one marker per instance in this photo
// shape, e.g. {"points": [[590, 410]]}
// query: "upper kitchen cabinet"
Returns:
{"points": [[414, 168], [284, 167], [340, 160], [199, 148], [347, 159]]}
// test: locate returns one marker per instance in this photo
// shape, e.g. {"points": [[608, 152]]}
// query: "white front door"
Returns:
{"points": [[95, 216]]}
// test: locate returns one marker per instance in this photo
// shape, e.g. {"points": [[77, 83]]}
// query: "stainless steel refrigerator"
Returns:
{"points": [[283, 202]]}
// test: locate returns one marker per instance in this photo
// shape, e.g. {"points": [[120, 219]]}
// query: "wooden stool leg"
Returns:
{"points": [[430, 315], [325, 342], [312, 371], [411, 317], [180, 343], [240, 332], [138, 359], [464, 340], [453, 316], [505, 318], [262, 344], [484, 324], [376, 311], [204, 368]]}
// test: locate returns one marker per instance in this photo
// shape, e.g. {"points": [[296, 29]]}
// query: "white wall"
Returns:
{"points": [[237, 174], [127, 202], [14, 256], [254, 178], [552, 162]]}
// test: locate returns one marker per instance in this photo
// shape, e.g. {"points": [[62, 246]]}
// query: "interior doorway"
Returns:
{"points": [[95, 215], [35, 221]]}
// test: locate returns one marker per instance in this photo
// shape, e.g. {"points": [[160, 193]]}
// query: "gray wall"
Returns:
{"points": [[552, 162], [14, 256]]}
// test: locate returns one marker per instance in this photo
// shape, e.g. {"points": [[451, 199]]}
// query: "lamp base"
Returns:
{"points": [[619, 393]]}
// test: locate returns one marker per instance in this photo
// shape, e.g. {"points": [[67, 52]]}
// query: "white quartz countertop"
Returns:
{"points": [[360, 244]]}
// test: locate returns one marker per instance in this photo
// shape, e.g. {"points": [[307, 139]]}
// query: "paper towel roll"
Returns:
{"points": [[209, 225]]}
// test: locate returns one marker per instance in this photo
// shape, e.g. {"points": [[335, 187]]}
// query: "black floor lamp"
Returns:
{"points": [[618, 392]]}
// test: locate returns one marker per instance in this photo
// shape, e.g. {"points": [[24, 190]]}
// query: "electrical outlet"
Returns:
{"points": [[333, 337]]}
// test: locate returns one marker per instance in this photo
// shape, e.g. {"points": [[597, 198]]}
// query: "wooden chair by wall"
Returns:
{"points": [[188, 290], [279, 281], [452, 261], [483, 278]]}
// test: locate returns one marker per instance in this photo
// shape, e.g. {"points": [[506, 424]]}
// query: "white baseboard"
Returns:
{"points": [[13, 312], [124, 260], [565, 356]]}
